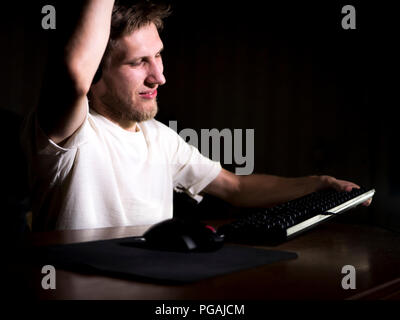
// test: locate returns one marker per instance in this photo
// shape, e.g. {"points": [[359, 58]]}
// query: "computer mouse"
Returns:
{"points": [[182, 236]]}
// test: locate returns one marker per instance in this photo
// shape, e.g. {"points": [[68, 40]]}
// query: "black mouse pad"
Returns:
{"points": [[113, 258]]}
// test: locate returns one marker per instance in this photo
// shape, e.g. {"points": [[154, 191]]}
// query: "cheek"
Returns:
{"points": [[132, 78]]}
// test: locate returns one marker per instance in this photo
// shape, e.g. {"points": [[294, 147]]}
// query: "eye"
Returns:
{"points": [[136, 63]]}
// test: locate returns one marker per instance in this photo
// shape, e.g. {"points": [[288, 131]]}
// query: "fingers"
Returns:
{"points": [[339, 185], [367, 203], [343, 185], [349, 186]]}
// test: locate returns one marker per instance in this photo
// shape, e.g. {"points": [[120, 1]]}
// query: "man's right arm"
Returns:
{"points": [[75, 54]]}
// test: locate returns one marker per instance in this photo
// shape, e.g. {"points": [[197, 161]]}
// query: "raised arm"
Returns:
{"points": [[74, 56]]}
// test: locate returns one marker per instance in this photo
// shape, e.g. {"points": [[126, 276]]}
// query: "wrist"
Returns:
{"points": [[319, 182]]}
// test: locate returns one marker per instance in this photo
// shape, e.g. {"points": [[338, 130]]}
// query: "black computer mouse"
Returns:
{"points": [[182, 236]]}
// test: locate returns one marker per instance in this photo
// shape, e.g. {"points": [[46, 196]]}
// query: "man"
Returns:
{"points": [[104, 161]]}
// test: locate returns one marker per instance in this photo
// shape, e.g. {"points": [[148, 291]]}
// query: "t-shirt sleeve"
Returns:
{"points": [[46, 146], [192, 171], [46, 158]]}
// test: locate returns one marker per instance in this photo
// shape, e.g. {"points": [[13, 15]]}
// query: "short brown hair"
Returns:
{"points": [[128, 16]]}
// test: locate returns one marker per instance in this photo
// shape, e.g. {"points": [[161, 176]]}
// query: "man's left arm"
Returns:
{"points": [[261, 190]]}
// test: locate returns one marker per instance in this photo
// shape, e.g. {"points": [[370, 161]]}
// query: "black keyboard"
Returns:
{"points": [[282, 222]]}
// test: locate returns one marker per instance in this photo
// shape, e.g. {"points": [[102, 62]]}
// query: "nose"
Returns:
{"points": [[155, 73]]}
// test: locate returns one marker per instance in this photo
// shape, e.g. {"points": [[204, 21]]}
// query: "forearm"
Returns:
{"points": [[259, 190], [85, 47]]}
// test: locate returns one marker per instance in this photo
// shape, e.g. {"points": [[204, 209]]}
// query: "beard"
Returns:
{"points": [[123, 109]]}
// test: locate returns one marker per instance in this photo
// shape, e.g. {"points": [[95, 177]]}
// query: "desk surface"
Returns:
{"points": [[316, 274]]}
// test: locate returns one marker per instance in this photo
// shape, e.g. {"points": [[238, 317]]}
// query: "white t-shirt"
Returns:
{"points": [[105, 176]]}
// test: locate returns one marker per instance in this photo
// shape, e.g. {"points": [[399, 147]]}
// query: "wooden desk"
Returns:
{"points": [[315, 275]]}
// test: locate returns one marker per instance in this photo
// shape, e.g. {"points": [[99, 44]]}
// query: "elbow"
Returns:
{"points": [[79, 82], [81, 89], [235, 191], [226, 186], [80, 78]]}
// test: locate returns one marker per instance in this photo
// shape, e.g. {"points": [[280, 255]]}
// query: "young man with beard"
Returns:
{"points": [[98, 158]]}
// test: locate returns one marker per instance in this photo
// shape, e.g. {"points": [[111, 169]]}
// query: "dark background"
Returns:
{"points": [[320, 99]]}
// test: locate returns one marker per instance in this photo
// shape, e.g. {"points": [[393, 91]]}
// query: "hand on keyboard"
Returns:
{"points": [[341, 185]]}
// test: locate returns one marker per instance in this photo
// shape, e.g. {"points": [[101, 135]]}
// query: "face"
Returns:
{"points": [[127, 90]]}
